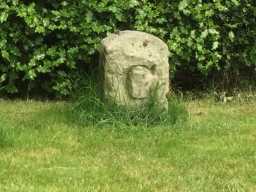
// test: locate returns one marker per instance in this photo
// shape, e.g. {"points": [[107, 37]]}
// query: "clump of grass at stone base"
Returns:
{"points": [[90, 110]]}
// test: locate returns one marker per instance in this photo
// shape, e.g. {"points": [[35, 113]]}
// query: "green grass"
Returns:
{"points": [[43, 149], [91, 111]]}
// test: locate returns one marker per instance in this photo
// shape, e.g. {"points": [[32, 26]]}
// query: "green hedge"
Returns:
{"points": [[45, 44]]}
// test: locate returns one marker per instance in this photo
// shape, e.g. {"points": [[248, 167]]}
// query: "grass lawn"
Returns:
{"points": [[41, 150]]}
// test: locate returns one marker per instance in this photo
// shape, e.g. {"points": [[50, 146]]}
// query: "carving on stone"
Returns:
{"points": [[135, 64], [140, 82]]}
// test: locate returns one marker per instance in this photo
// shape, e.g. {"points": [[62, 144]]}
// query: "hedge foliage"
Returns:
{"points": [[44, 44]]}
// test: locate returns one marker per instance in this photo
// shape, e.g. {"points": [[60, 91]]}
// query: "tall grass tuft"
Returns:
{"points": [[90, 110]]}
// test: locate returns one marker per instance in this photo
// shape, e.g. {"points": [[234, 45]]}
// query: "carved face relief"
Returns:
{"points": [[140, 82]]}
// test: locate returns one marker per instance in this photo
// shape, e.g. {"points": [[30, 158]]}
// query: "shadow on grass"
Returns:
{"points": [[88, 110], [7, 135]]}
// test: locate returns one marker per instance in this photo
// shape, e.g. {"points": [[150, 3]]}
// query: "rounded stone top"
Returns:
{"points": [[132, 41]]}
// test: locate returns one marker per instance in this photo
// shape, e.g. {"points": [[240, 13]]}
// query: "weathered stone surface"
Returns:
{"points": [[135, 64]]}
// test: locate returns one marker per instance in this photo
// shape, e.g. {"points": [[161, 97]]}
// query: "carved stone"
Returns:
{"points": [[135, 65]]}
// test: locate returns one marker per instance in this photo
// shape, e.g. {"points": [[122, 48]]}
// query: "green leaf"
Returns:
{"points": [[3, 17], [215, 45], [236, 2], [231, 35], [182, 5], [5, 55], [3, 77]]}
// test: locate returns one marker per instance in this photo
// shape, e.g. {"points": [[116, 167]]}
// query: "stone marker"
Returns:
{"points": [[135, 66]]}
